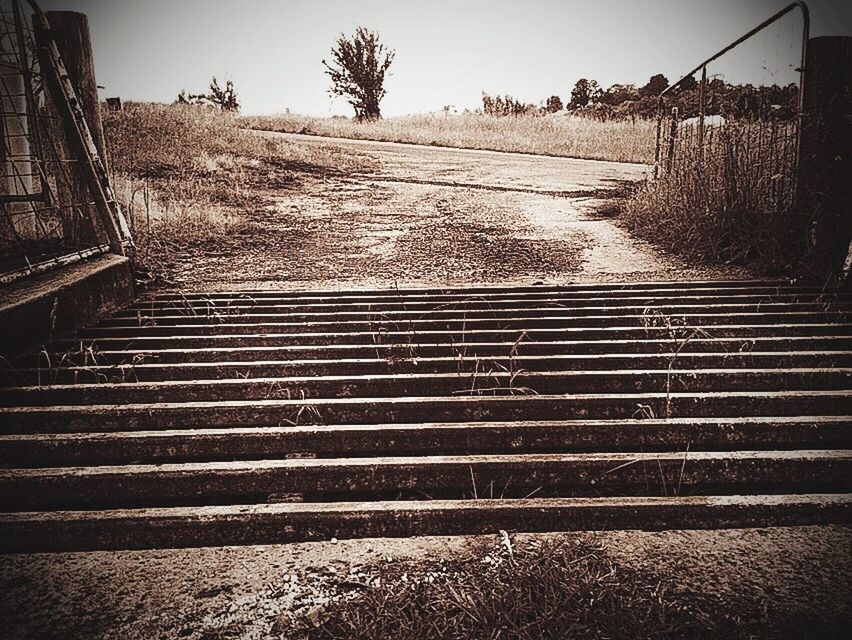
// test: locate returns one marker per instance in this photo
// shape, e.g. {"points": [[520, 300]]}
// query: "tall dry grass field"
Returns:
{"points": [[730, 200], [554, 134], [186, 174]]}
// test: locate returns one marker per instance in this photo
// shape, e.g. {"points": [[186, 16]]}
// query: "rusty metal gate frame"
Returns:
{"points": [[702, 67], [119, 237]]}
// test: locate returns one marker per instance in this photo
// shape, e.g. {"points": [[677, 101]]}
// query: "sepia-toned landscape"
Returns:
{"points": [[404, 325]]}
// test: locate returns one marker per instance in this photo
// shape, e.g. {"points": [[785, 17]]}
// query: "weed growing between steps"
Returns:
{"points": [[536, 587]]}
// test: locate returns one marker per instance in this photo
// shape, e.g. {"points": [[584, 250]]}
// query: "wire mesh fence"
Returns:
{"points": [[51, 209], [733, 131]]}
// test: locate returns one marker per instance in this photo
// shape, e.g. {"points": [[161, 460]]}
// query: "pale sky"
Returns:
{"points": [[446, 52]]}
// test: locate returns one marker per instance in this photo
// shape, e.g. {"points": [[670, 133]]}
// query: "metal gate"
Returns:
{"points": [[740, 135], [56, 202]]}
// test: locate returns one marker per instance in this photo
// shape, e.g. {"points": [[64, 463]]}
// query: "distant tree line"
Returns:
{"points": [[623, 101], [721, 98], [359, 65]]}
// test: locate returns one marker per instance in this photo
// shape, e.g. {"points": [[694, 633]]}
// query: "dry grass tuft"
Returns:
{"points": [[555, 134], [539, 590], [190, 142], [734, 206], [187, 175]]}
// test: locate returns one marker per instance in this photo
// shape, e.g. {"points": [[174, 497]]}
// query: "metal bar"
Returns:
{"points": [[58, 261], [762, 25], [657, 150], [41, 267], [29, 197], [806, 27], [32, 127], [702, 110], [672, 138]]}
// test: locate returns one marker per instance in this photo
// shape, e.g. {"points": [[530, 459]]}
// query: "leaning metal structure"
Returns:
{"points": [[56, 202]]}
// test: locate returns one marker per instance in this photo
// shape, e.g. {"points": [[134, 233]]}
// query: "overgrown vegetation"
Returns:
{"points": [[622, 101], [189, 174], [730, 201], [543, 589], [629, 102], [556, 134]]}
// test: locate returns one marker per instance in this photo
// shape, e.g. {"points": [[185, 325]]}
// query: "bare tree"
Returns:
{"points": [[357, 70]]}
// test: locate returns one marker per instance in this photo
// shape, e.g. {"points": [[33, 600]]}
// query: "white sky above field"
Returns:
{"points": [[447, 52]]}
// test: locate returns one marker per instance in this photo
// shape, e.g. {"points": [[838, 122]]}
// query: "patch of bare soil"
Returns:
{"points": [[427, 217]]}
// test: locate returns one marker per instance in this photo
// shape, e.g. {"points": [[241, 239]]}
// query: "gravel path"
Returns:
{"points": [[436, 216]]}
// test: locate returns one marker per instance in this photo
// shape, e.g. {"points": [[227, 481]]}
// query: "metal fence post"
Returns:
{"points": [[824, 187], [657, 150], [70, 31], [78, 132], [702, 110], [672, 138]]}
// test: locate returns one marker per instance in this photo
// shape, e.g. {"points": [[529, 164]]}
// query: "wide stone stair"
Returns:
{"points": [[277, 416]]}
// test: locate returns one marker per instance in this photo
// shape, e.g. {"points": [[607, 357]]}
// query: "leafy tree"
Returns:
{"points": [[554, 104], [688, 84], [618, 94], [656, 85], [357, 70], [584, 92], [506, 106]]}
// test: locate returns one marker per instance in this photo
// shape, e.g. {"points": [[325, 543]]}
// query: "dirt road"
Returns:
{"points": [[434, 216]]}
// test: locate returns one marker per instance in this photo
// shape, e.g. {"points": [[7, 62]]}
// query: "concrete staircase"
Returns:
{"points": [[273, 416]]}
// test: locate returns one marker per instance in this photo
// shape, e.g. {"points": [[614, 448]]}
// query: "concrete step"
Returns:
{"points": [[555, 320], [133, 339], [331, 441], [253, 481], [489, 383], [754, 287], [276, 412], [283, 523], [141, 371], [185, 420], [666, 305], [94, 353], [520, 308]]}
